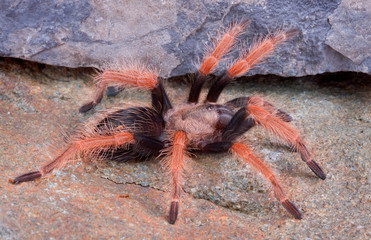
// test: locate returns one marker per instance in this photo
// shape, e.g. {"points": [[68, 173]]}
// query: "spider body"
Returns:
{"points": [[167, 131], [202, 122]]}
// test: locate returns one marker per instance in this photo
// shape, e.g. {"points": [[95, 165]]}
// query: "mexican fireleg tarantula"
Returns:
{"points": [[163, 129]]}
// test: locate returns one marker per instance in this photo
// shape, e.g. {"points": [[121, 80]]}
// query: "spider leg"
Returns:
{"points": [[285, 132], [211, 60], [257, 52], [238, 125], [217, 147], [113, 91], [160, 100], [128, 78], [175, 164], [245, 154], [250, 115], [76, 147], [243, 101]]}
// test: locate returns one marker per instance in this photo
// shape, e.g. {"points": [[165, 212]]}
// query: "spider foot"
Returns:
{"points": [[290, 207], [86, 107], [174, 207], [284, 116], [316, 169], [113, 91], [26, 177]]}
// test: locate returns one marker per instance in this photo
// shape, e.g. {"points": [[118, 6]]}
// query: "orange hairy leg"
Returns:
{"points": [[259, 51], [257, 101], [245, 154], [76, 147], [176, 166], [211, 60], [285, 132], [132, 77], [256, 53], [221, 47]]}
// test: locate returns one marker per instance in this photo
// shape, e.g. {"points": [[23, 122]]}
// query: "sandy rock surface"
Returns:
{"points": [[223, 198]]}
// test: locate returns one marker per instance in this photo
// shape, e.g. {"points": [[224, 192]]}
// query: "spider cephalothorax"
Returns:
{"points": [[170, 131], [201, 122]]}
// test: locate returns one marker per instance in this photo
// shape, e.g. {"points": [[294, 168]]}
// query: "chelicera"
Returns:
{"points": [[169, 132]]}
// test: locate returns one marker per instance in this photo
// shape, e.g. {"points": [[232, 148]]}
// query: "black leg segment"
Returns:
{"points": [[113, 91], [148, 143], [238, 102], [86, 107], [160, 100], [218, 87], [217, 147], [26, 177], [238, 125], [194, 93]]}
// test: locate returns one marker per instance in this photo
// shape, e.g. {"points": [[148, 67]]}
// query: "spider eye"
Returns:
{"points": [[210, 107]]}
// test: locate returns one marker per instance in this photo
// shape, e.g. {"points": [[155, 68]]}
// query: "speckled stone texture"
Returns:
{"points": [[172, 34], [223, 198]]}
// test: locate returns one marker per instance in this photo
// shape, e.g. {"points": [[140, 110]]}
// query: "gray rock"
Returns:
{"points": [[171, 35], [350, 33]]}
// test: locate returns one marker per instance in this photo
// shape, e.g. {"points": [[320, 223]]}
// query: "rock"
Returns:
{"points": [[222, 199], [171, 35], [350, 30]]}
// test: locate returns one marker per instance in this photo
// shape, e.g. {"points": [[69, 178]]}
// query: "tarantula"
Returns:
{"points": [[171, 131]]}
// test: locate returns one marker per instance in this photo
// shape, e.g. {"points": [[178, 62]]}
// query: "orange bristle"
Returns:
{"points": [[221, 47], [245, 154], [129, 78], [257, 52], [175, 164]]}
